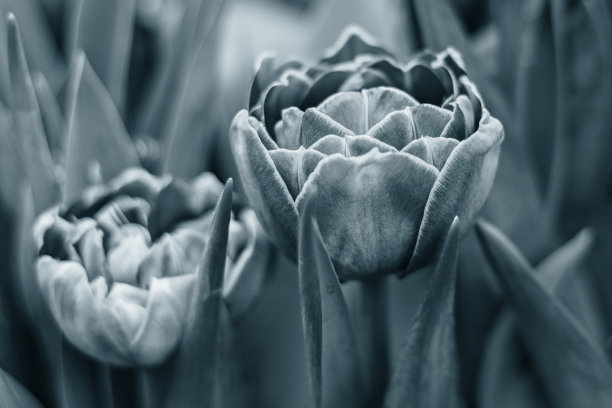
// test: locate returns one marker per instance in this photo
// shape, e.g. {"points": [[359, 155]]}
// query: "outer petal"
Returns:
{"points": [[266, 190], [461, 189], [128, 327], [369, 209], [243, 283], [353, 41], [166, 312]]}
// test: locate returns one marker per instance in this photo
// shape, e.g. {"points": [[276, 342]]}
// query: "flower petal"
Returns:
{"points": [[353, 41], [456, 128], [127, 253], [396, 129], [295, 166], [349, 145], [461, 189], [174, 254], [287, 131], [383, 100], [316, 125], [430, 120], [116, 329], [369, 209], [266, 73], [243, 283], [267, 193], [324, 86], [360, 111], [363, 79], [179, 200], [288, 92], [166, 311], [432, 150], [91, 250], [422, 83], [348, 109]]}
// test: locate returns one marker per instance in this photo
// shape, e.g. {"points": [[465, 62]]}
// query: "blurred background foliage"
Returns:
{"points": [[167, 76]]}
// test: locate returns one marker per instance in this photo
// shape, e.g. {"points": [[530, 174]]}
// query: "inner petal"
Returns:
{"points": [[382, 101], [316, 124], [396, 129], [430, 120], [360, 111], [432, 150], [348, 109]]}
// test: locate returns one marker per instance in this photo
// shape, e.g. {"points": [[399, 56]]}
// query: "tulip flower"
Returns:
{"points": [[117, 269], [393, 150]]}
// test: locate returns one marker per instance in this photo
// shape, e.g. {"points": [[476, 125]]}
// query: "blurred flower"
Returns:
{"points": [[118, 267], [393, 151]]}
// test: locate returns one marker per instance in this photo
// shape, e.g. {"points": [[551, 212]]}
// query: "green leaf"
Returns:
{"points": [[52, 118], [194, 116], [535, 91], [13, 394], [583, 377], [583, 38], [38, 40], [194, 371], [331, 349], [568, 259], [103, 30], [27, 132], [506, 379], [96, 133], [183, 82], [427, 373]]}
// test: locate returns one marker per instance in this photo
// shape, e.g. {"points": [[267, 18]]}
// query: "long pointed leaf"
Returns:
{"points": [[52, 118], [103, 30], [330, 341], [194, 371], [39, 47], [573, 369], [506, 375], [96, 133], [427, 373], [28, 132], [506, 379], [194, 123], [13, 394]]}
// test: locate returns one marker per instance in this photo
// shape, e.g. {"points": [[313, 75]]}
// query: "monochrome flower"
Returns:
{"points": [[388, 152], [117, 268]]}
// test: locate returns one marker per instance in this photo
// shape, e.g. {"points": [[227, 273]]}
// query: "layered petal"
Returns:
{"points": [[369, 209], [123, 326], [461, 188], [264, 186]]}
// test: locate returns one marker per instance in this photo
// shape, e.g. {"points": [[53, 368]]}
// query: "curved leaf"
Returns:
{"points": [[194, 370], [331, 347], [103, 30], [427, 373], [27, 130], [96, 133], [13, 394], [583, 376]]}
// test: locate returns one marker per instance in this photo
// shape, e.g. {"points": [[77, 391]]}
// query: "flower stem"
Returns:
{"points": [[372, 330]]}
